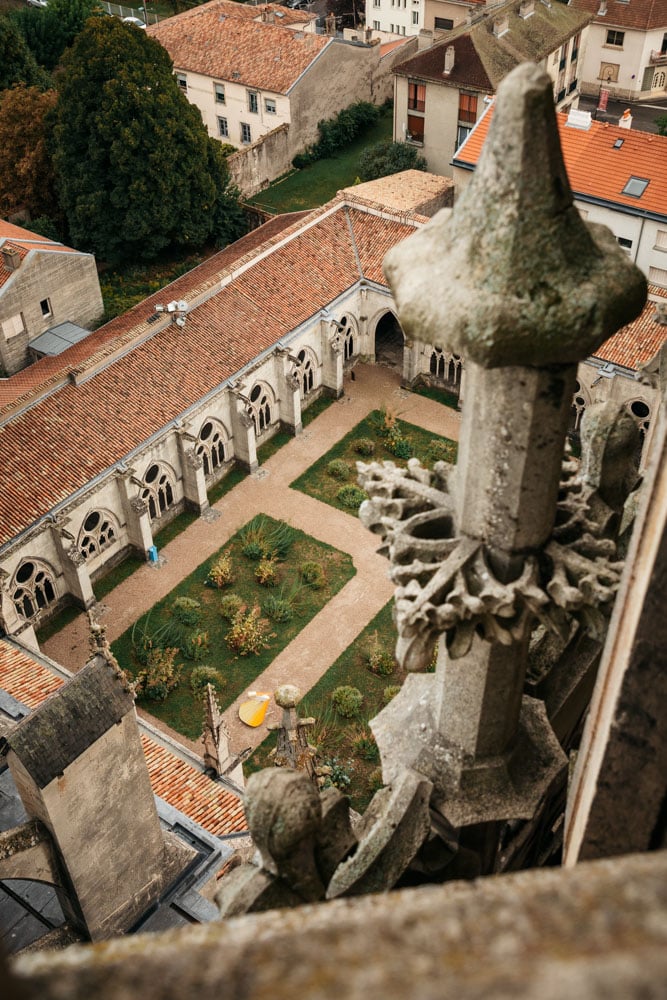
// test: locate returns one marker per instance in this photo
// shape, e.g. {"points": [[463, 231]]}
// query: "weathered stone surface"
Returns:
{"points": [[248, 889], [335, 838], [551, 288], [391, 831]]}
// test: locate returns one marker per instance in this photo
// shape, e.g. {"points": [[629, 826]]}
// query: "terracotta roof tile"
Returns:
{"points": [[640, 14], [637, 343], [224, 43], [24, 242], [468, 68], [206, 802], [594, 166]]}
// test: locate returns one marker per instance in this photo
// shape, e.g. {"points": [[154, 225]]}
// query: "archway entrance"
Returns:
{"points": [[389, 342]]}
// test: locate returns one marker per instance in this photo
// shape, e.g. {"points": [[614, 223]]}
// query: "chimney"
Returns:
{"points": [[11, 258], [602, 9], [501, 25], [449, 60], [526, 8], [625, 121], [424, 40]]}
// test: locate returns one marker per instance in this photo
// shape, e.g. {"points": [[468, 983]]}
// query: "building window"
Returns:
{"points": [[98, 533], [219, 93], [625, 243], [223, 128], [658, 276], [563, 57], [13, 326], [253, 102], [246, 135], [443, 24], [376, 3], [635, 187], [576, 42], [158, 490], [615, 38], [269, 105], [347, 331], [391, 28], [415, 128], [661, 239], [663, 48], [376, 25], [416, 96], [305, 371], [211, 446], [260, 403], [182, 81], [403, 29], [462, 133], [415, 17], [468, 108], [32, 589], [45, 306]]}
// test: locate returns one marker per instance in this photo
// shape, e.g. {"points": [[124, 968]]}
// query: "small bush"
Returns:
{"points": [[160, 676], [367, 748], [383, 421], [338, 469], [442, 451], [351, 496], [266, 572], [398, 444], [312, 574], [186, 611], [379, 660], [253, 539], [364, 446], [203, 675], [375, 782], [196, 646], [387, 157], [347, 700], [249, 632], [338, 773], [221, 573], [230, 605], [390, 692], [254, 551], [278, 609]]}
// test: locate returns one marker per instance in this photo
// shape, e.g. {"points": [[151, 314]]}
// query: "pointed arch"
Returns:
{"points": [[158, 489], [33, 588], [98, 531], [262, 406], [212, 445]]}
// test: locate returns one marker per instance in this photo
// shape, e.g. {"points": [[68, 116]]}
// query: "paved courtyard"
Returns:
{"points": [[267, 491]]}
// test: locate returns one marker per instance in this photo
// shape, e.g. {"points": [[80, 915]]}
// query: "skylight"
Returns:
{"points": [[635, 187]]}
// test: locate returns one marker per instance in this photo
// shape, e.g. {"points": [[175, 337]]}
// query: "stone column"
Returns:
{"points": [[192, 470], [243, 430], [332, 357], [73, 565], [139, 531], [536, 291], [290, 397]]}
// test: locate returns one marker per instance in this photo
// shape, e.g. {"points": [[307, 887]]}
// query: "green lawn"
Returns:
{"points": [[181, 709], [317, 481], [319, 182]]}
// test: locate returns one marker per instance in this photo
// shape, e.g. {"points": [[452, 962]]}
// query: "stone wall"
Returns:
{"points": [[253, 168]]}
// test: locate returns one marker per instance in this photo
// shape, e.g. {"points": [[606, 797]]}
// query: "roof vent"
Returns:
{"points": [[501, 25], [602, 9], [625, 121], [449, 60], [579, 119], [526, 8], [11, 258]]}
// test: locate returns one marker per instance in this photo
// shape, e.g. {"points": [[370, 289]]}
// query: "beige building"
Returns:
{"points": [[440, 93], [43, 285]]}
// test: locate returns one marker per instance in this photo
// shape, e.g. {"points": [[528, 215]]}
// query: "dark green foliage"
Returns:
{"points": [[17, 63], [186, 611], [661, 122], [137, 171], [203, 675], [351, 496], [389, 158], [347, 700], [338, 131], [50, 31], [364, 446], [230, 605], [312, 574], [366, 747], [338, 469]]}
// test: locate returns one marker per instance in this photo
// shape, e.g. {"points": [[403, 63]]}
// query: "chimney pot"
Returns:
{"points": [[449, 60], [11, 258]]}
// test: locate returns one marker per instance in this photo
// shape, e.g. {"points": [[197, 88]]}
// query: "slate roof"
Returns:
{"points": [[224, 43], [185, 788], [482, 61], [596, 169], [86, 416], [642, 15], [637, 343]]}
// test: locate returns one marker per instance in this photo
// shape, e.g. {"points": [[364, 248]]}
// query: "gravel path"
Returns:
{"points": [[311, 653]]}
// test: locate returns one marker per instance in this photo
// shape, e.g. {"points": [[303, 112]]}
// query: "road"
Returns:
{"points": [[644, 113]]}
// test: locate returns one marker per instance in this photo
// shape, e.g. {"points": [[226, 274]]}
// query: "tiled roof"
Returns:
{"points": [[640, 14], [482, 60], [214, 43], [637, 343], [93, 425], [596, 169], [24, 241], [205, 802], [404, 192]]}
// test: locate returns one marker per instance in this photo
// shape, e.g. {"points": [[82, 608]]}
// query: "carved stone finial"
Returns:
{"points": [[513, 275], [216, 735]]}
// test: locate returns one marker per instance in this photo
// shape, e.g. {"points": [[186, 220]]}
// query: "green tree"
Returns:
{"points": [[17, 63], [27, 180], [389, 158], [48, 32], [661, 122], [137, 171]]}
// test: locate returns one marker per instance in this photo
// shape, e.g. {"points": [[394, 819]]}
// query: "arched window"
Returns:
{"points": [[260, 401], [437, 363], [348, 333], [641, 412], [446, 366], [33, 588], [98, 532], [211, 446], [579, 404], [158, 491], [305, 372]]}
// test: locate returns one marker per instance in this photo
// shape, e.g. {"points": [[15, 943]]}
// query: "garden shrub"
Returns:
{"points": [[364, 446], [351, 496], [265, 572], [253, 539], [338, 469], [442, 451], [366, 747], [230, 605], [375, 782], [312, 573], [397, 443], [195, 646], [221, 573], [347, 700], [278, 609], [249, 632], [379, 660], [144, 638], [386, 157], [338, 131], [390, 692], [186, 611], [160, 675], [203, 675], [337, 773]]}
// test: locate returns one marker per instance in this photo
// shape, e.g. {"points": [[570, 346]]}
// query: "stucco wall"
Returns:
{"points": [[253, 168], [633, 58], [440, 123]]}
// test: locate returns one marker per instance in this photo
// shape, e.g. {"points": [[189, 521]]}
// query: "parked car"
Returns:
{"points": [[37, 3], [136, 21], [297, 4]]}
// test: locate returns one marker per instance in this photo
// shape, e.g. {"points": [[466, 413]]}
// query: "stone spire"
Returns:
{"points": [[293, 749], [215, 737]]}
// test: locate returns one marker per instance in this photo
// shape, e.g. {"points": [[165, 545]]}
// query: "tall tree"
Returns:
{"points": [[17, 63], [137, 171], [49, 31], [26, 173]]}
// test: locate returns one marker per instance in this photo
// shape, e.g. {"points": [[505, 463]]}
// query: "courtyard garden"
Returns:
{"points": [[229, 619], [380, 436]]}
